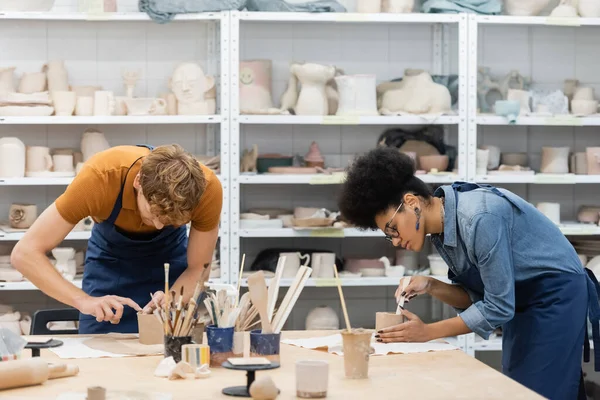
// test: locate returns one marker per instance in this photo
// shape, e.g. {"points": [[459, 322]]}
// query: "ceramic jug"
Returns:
{"points": [[313, 78], [555, 160], [57, 76], [38, 159], [357, 95], [92, 142], [292, 263], [322, 265], [7, 79], [12, 158], [255, 86]]}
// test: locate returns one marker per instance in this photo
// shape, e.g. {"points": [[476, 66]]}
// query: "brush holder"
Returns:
{"points": [[173, 346], [220, 341], [265, 345]]}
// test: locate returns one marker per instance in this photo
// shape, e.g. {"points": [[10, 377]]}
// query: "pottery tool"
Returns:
{"points": [[339, 285], [291, 297], [32, 371], [405, 282], [166, 300], [178, 312], [274, 287], [239, 283], [260, 296]]}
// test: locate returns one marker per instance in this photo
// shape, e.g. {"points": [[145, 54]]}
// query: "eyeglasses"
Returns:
{"points": [[392, 233]]}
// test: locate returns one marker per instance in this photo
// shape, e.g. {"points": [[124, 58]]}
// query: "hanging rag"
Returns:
{"points": [[487, 7], [163, 11], [317, 6]]}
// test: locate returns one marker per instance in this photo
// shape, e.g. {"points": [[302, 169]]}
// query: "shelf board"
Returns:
{"points": [[323, 233], [26, 285], [348, 120], [367, 281], [349, 17], [116, 120], [322, 179], [73, 235], [537, 20], [560, 120], [83, 16], [540, 179], [44, 181]]}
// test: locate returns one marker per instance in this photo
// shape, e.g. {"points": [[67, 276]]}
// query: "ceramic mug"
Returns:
{"points": [[145, 106], [38, 159], [104, 103], [312, 379], [292, 263], [550, 210], [322, 265], [84, 106], [64, 102], [63, 162]]}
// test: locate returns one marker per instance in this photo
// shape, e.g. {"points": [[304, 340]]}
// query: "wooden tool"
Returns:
{"points": [[259, 296], [405, 282], [274, 287], [32, 371], [166, 300], [339, 285], [239, 283], [291, 297]]}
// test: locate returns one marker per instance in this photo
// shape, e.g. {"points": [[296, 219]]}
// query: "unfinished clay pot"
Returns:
{"points": [[514, 159], [322, 318], [314, 158], [357, 95], [150, 329], [593, 160], [385, 320], [22, 216], [555, 160], [588, 214], [436, 163], [312, 99], [357, 350], [7, 80], [255, 86], [12, 158], [416, 94], [579, 163], [58, 78], [584, 107], [92, 142], [493, 156], [312, 378]]}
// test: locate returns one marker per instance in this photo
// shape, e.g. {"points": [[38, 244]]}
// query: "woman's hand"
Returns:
{"points": [[418, 285], [158, 298], [411, 331]]}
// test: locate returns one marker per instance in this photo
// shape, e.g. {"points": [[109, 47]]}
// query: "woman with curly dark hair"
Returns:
{"points": [[510, 265]]}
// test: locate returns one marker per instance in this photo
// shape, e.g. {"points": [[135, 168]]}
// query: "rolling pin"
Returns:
{"points": [[32, 371]]}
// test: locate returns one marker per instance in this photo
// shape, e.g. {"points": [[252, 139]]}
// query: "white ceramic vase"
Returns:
{"points": [[357, 95], [555, 160], [312, 99], [58, 78], [12, 158], [322, 318], [93, 142]]}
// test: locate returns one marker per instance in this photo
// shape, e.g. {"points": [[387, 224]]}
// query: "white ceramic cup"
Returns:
{"points": [[550, 210], [63, 162], [322, 265], [84, 106], [483, 156], [292, 264], [104, 103], [38, 159], [584, 93], [64, 102], [312, 379]]}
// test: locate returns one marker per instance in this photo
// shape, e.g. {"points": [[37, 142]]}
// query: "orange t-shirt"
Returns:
{"points": [[94, 192]]}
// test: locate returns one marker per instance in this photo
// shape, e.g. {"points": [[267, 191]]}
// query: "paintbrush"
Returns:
{"points": [[178, 312], [344, 309], [167, 316]]}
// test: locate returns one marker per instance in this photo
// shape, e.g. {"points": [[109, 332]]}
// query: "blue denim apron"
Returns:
{"points": [[122, 264], [542, 345]]}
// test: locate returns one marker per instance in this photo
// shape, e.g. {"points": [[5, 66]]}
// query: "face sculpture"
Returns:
{"points": [[246, 76], [189, 83]]}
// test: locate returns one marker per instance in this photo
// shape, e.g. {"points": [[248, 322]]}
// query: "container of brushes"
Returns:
{"points": [[265, 345], [220, 341], [173, 346]]}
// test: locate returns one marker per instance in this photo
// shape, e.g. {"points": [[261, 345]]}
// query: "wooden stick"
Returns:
{"points": [[274, 287], [339, 285], [179, 304], [237, 300], [166, 299], [259, 296], [285, 309]]}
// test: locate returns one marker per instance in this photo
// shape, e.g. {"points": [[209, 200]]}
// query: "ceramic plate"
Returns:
{"points": [[16, 111]]}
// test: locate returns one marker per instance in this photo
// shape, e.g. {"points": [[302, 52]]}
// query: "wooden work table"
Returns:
{"points": [[436, 375]]}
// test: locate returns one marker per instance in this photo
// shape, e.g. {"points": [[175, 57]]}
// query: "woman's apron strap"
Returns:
{"points": [[594, 315]]}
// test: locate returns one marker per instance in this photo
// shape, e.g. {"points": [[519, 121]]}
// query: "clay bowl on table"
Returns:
{"points": [[266, 161], [438, 162]]}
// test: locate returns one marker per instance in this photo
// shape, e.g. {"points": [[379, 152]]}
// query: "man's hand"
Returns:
{"points": [[102, 307]]}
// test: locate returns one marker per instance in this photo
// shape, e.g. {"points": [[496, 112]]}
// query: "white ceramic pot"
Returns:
{"points": [[64, 102], [63, 163], [322, 265], [12, 158], [550, 210], [292, 263], [84, 106], [104, 103], [584, 93], [7, 79], [584, 107], [555, 160], [357, 95], [38, 159], [312, 379], [322, 318], [494, 156], [437, 265], [58, 78], [92, 142]]}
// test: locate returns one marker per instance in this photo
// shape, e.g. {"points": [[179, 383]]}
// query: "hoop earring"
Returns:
{"points": [[418, 214]]}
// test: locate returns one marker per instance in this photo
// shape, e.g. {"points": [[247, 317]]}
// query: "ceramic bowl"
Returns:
{"points": [[514, 159], [437, 265], [438, 162], [584, 107], [266, 161], [395, 271]]}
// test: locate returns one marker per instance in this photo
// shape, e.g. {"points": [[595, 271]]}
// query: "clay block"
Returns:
{"points": [[385, 320], [150, 328]]}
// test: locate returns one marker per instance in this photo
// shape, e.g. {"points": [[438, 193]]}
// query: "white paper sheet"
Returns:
{"points": [[74, 348], [333, 343]]}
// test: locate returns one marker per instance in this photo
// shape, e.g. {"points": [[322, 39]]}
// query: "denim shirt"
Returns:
{"points": [[503, 240]]}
